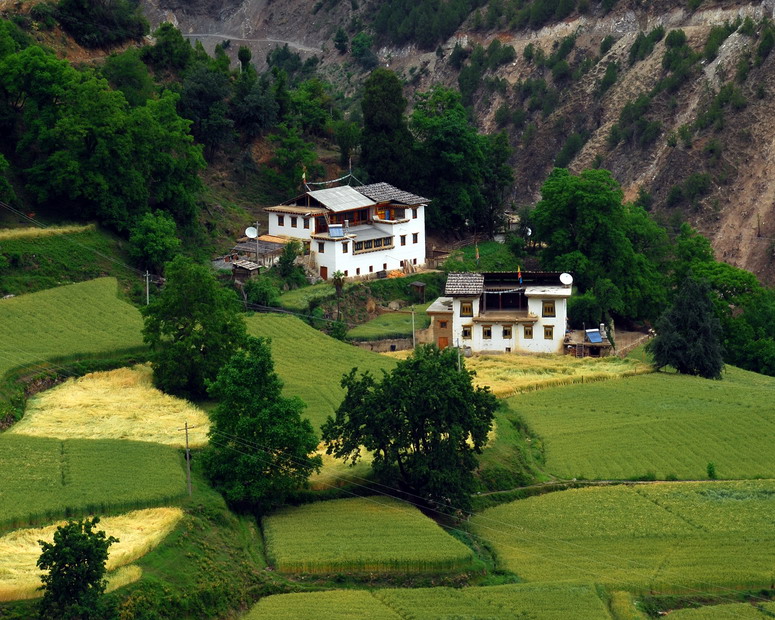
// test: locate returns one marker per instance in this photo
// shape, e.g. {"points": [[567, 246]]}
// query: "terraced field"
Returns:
{"points": [[684, 538], [311, 364], [370, 534], [664, 424], [396, 324], [47, 479], [510, 602], [80, 318]]}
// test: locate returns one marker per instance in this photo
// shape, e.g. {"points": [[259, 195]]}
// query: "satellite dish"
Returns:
{"points": [[529, 231], [251, 232], [566, 279]]}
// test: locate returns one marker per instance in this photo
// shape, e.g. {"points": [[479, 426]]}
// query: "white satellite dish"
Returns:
{"points": [[529, 231], [566, 279], [251, 232]]}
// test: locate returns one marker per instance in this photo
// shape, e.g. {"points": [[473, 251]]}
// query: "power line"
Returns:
{"points": [[688, 589]]}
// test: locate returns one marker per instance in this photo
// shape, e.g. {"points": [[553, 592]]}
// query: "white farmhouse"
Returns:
{"points": [[502, 312], [355, 230]]}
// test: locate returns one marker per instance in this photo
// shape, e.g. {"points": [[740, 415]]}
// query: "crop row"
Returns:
{"points": [[556, 602], [48, 479], [371, 534], [670, 537]]}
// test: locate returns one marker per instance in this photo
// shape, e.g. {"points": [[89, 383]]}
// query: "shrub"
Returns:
{"points": [[606, 44], [710, 469], [101, 24], [570, 149], [609, 78], [766, 44]]}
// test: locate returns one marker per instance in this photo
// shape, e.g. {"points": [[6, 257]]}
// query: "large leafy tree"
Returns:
{"points": [[615, 251], [261, 449], [386, 144], [424, 422], [689, 333], [153, 240], [193, 328], [75, 562]]}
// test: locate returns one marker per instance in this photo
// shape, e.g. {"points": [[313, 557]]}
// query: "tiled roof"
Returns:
{"points": [[464, 284], [385, 192]]}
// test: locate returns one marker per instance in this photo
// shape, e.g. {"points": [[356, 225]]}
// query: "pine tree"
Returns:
{"points": [[689, 333]]}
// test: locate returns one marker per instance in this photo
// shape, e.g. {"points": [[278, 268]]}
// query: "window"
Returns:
{"points": [[346, 273], [415, 236], [371, 268], [367, 245], [466, 332], [345, 247], [414, 213], [358, 246], [358, 271], [281, 220], [548, 332], [403, 239], [507, 332], [487, 332], [306, 222], [548, 307], [528, 332], [466, 308], [321, 247], [384, 266], [414, 261], [377, 243], [293, 221], [442, 325]]}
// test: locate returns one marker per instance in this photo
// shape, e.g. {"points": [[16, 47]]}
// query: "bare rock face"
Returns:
{"points": [[216, 9]]}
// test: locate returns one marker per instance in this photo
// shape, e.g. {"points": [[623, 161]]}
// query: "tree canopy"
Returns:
{"points": [[260, 447], [615, 251], [193, 328], [424, 423], [689, 333], [75, 562]]}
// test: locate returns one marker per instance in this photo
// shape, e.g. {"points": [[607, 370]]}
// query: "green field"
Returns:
{"points": [[369, 534], [40, 260], [684, 538], [79, 318], [45, 479], [666, 424], [392, 324], [311, 364], [738, 611], [298, 299], [511, 602]]}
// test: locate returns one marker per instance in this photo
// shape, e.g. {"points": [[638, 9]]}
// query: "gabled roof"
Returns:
{"points": [[342, 198], [385, 192], [464, 284]]}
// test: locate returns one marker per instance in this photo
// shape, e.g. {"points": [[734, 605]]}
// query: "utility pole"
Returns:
{"points": [[414, 342], [186, 428], [458, 355], [147, 288]]}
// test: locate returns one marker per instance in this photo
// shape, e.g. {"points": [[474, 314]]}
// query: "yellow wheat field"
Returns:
{"points": [[511, 373], [21, 233], [138, 532], [116, 404]]}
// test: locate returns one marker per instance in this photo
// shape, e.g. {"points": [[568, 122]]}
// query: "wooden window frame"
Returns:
{"points": [[466, 333], [507, 332], [549, 308], [321, 247], [486, 332], [294, 221], [281, 220], [527, 332], [403, 239], [466, 308], [548, 332], [345, 247], [306, 223], [415, 237]]}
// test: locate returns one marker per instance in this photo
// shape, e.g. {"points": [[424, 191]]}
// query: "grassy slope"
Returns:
{"points": [[392, 324], [684, 538], [79, 318], [338, 536], [40, 260], [310, 363], [662, 423]]}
